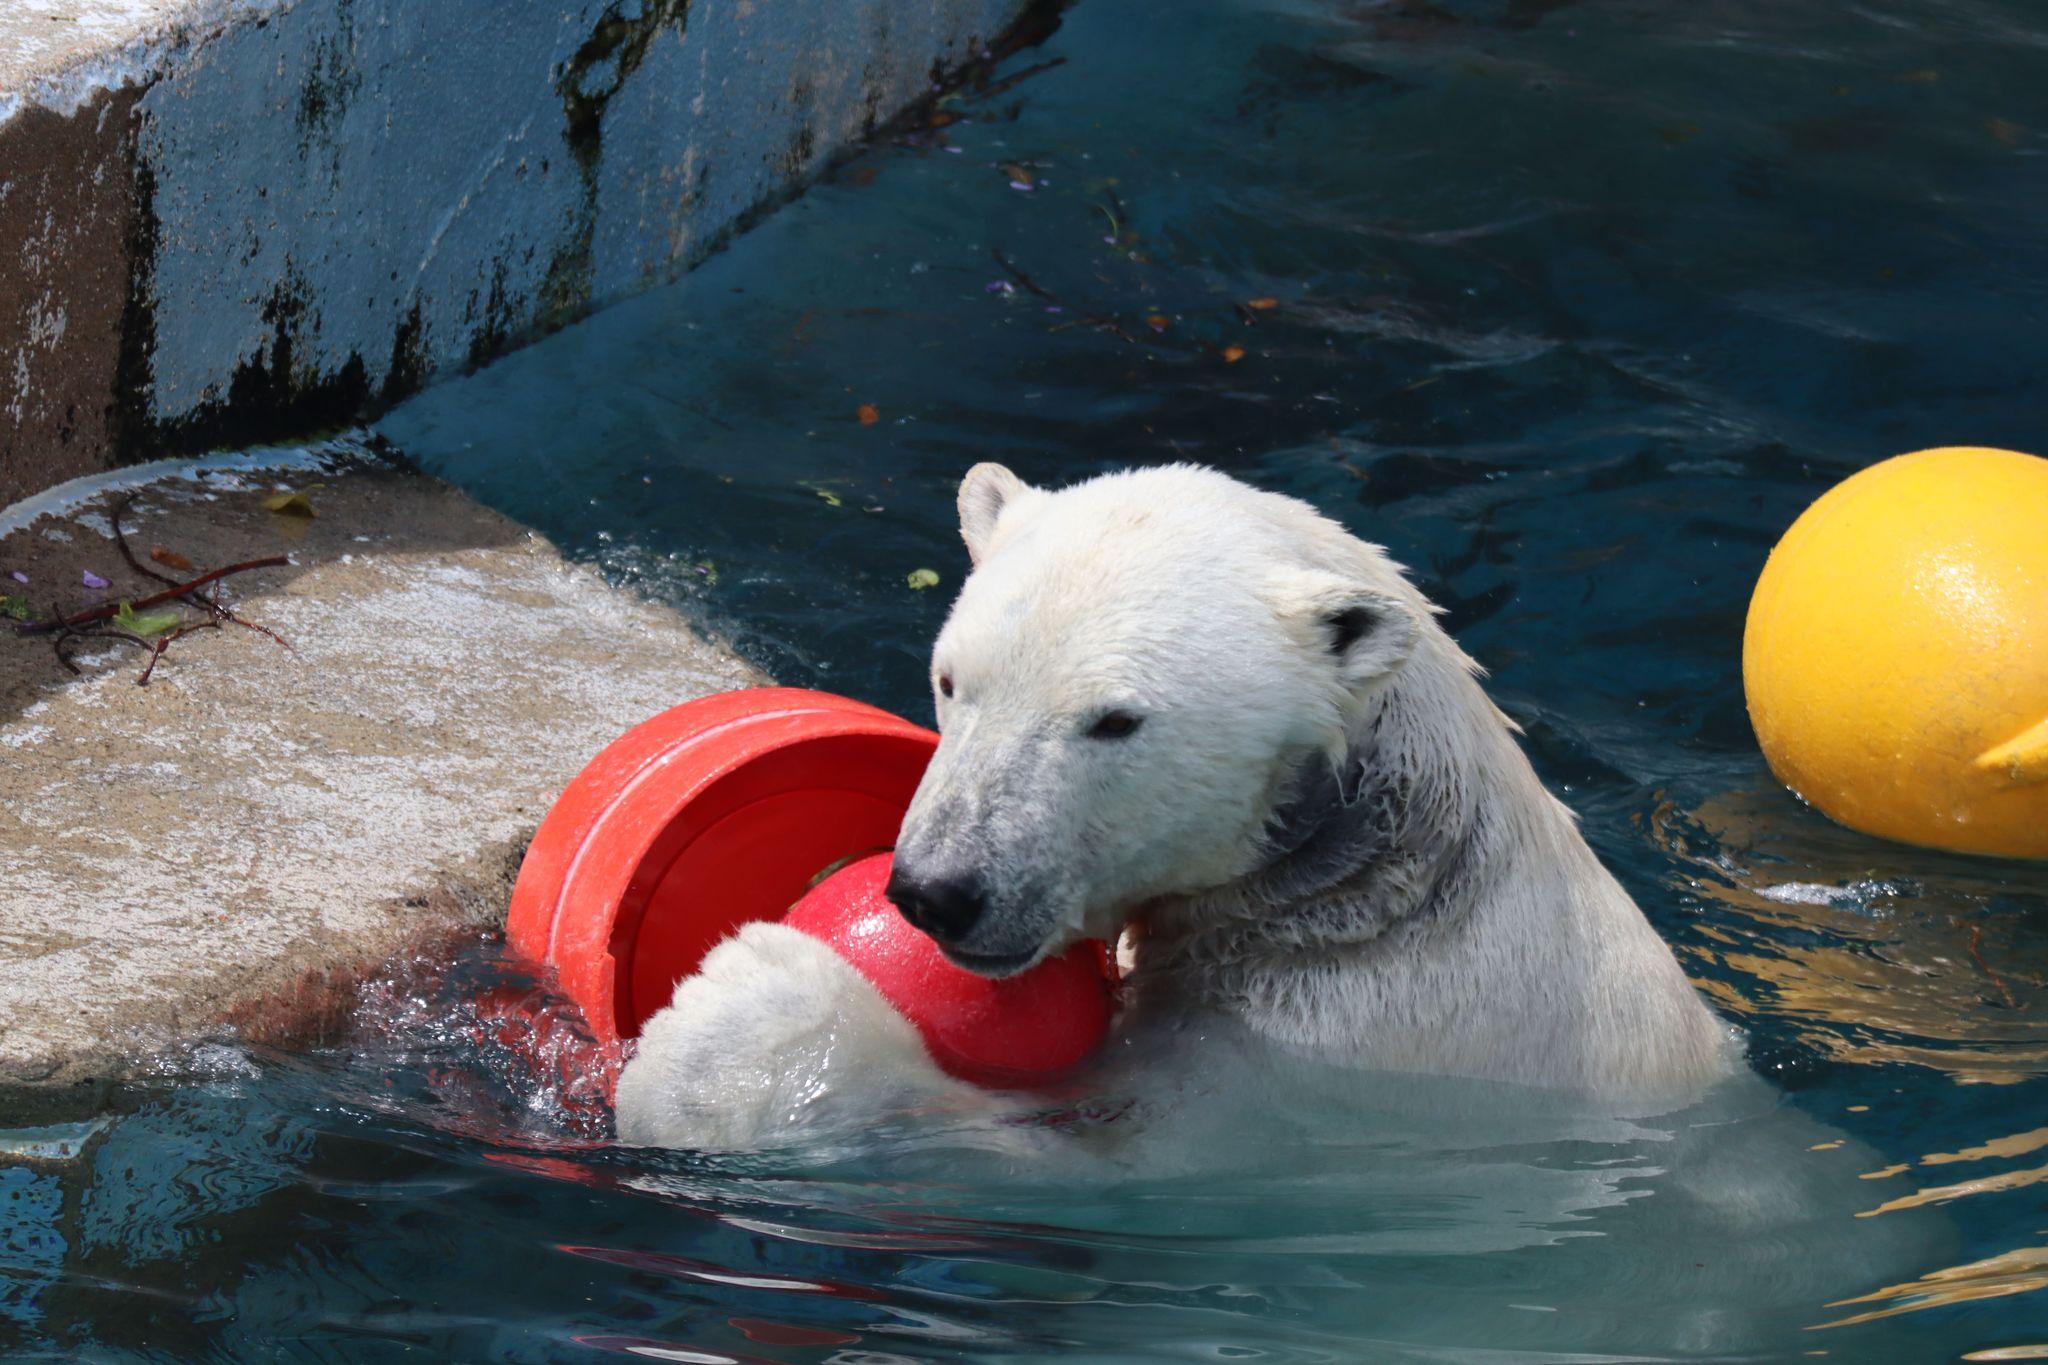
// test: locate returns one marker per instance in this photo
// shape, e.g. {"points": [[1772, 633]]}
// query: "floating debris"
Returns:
{"points": [[291, 504]]}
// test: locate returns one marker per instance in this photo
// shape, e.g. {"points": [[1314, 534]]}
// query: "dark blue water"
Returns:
{"points": [[1574, 307]]}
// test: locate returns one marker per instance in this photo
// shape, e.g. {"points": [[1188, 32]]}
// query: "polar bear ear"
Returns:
{"points": [[986, 490], [1369, 633]]}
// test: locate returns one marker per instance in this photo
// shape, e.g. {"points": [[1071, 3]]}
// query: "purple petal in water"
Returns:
{"points": [[1020, 185], [93, 580]]}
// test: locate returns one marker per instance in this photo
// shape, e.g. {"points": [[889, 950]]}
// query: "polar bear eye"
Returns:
{"points": [[1115, 725]]}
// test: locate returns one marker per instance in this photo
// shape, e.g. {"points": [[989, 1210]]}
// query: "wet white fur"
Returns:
{"points": [[774, 1036], [1476, 936]]}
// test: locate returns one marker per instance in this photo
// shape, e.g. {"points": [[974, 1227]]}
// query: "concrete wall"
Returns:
{"points": [[234, 220]]}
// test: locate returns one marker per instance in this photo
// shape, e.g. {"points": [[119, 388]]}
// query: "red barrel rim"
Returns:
{"points": [[657, 849]]}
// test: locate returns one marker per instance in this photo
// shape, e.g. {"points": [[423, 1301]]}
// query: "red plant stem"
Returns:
{"points": [[107, 611], [211, 602]]}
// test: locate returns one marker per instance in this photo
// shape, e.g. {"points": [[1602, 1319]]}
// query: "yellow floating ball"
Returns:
{"points": [[1896, 655]]}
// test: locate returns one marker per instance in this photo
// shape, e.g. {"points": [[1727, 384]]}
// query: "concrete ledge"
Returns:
{"points": [[236, 842], [225, 221]]}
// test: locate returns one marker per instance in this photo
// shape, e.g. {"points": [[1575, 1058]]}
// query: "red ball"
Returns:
{"points": [[1007, 1032]]}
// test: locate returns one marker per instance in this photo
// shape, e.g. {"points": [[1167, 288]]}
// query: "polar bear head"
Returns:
{"points": [[1135, 675]]}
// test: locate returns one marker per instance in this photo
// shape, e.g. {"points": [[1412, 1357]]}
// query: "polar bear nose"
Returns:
{"points": [[944, 907]]}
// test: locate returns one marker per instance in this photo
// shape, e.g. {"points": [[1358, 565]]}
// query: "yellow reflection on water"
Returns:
{"points": [[2014, 1272], [1834, 932], [1942, 1194], [2019, 1144]]}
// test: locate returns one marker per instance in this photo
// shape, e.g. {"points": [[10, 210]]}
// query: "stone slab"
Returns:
{"points": [[234, 844], [53, 50]]}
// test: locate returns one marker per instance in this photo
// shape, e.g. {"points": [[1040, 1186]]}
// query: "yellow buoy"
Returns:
{"points": [[1896, 655]]}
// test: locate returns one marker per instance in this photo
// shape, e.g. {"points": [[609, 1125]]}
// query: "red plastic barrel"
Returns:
{"points": [[720, 811]]}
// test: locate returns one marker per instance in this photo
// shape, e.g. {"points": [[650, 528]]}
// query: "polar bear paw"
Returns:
{"points": [[775, 1039]]}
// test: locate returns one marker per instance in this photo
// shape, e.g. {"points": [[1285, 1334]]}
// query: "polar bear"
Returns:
{"points": [[1207, 718]]}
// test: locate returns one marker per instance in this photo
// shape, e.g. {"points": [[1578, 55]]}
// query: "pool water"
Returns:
{"points": [[1573, 307]]}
